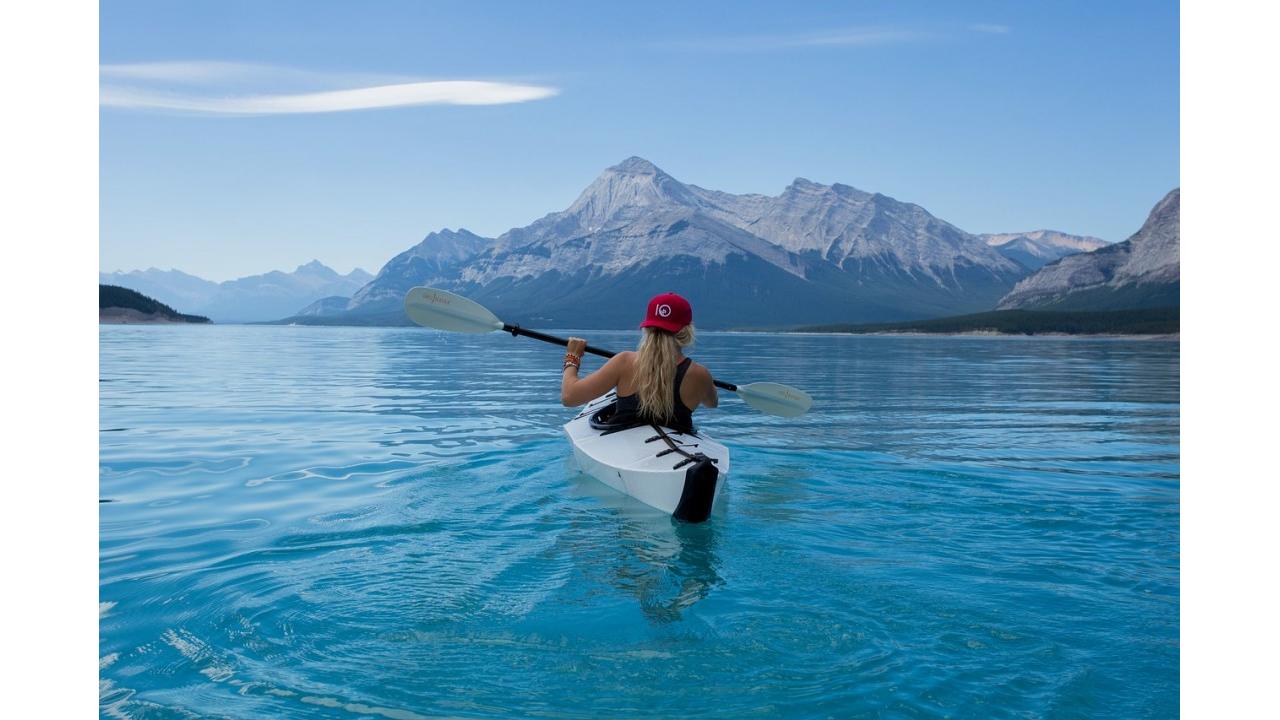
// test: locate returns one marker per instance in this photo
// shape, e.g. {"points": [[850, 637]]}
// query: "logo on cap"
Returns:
{"points": [[664, 310]]}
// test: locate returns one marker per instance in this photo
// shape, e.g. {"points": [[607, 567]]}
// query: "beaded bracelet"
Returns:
{"points": [[571, 359]]}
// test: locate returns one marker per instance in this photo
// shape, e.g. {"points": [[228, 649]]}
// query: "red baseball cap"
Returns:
{"points": [[668, 311]]}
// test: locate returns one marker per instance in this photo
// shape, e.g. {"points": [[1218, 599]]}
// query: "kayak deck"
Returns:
{"points": [[681, 473]]}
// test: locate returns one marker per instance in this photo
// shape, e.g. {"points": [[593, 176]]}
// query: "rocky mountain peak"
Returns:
{"points": [[1142, 271], [627, 189], [635, 165], [446, 233], [315, 267], [1154, 249], [446, 243], [1163, 221], [804, 185]]}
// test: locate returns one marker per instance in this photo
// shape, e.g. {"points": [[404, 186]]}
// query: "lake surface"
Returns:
{"points": [[386, 523]]}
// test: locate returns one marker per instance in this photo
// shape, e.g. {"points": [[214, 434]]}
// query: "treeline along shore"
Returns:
{"points": [[122, 306], [1148, 321]]}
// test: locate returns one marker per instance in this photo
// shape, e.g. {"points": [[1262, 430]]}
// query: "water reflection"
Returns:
{"points": [[674, 571], [669, 566]]}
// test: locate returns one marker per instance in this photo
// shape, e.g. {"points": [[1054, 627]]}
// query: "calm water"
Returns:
{"points": [[313, 522]]}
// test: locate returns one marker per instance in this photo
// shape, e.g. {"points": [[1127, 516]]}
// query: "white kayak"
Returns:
{"points": [[675, 472]]}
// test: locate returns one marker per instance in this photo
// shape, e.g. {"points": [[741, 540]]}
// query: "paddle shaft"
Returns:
{"points": [[563, 342]]}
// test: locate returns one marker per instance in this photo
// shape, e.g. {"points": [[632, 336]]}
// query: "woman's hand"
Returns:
{"points": [[574, 390]]}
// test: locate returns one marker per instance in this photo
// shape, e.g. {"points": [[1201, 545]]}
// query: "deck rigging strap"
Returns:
{"points": [[700, 478], [674, 447]]}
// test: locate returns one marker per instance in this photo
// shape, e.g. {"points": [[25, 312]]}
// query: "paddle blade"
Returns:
{"points": [[443, 310], [776, 398]]}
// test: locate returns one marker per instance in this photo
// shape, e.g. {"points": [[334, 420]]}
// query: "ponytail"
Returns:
{"points": [[656, 371]]}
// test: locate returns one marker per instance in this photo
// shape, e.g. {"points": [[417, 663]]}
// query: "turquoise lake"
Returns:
{"points": [[387, 523]]}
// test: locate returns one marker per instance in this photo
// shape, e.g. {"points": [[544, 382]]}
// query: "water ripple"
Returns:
{"points": [[319, 523]]}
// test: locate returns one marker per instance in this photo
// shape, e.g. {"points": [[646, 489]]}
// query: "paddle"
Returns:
{"points": [[443, 310]]}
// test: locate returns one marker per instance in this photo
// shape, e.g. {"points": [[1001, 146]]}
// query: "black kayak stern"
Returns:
{"points": [[699, 490]]}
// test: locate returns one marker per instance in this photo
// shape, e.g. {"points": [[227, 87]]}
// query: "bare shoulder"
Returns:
{"points": [[698, 372], [701, 384], [622, 362]]}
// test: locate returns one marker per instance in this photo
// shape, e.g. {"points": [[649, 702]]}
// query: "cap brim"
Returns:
{"points": [[663, 325]]}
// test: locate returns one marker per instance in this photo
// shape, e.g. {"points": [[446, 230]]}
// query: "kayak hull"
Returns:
{"points": [[637, 461]]}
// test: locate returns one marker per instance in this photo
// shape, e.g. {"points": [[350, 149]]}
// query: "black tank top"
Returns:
{"points": [[628, 406]]}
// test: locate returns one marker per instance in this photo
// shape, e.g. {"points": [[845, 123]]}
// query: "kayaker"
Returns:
{"points": [[655, 383]]}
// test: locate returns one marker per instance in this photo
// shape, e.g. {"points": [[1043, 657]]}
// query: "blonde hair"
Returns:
{"points": [[656, 371]]}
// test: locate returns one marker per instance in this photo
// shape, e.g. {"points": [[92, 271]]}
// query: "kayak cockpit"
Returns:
{"points": [[676, 472]]}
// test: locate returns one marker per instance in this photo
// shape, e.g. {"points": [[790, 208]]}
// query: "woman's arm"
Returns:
{"points": [[711, 398], [700, 388], [574, 390]]}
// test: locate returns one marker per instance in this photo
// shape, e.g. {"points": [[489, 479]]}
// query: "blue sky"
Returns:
{"points": [[226, 149]]}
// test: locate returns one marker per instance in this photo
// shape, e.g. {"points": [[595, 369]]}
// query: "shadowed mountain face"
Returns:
{"points": [[1140, 272], [255, 298], [815, 253]]}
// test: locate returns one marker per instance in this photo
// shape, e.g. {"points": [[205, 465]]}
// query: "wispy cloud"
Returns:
{"points": [[226, 88], [990, 28], [864, 36], [442, 92]]}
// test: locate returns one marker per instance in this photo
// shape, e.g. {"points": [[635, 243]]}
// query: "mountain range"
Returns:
{"points": [[1140, 272], [256, 298], [814, 253]]}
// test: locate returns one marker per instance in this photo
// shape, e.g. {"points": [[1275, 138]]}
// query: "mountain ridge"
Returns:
{"points": [[266, 296], [1141, 271], [809, 254], [1036, 248]]}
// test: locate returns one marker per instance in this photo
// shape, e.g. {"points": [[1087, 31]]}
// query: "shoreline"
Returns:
{"points": [[1174, 337], [130, 316], [997, 334]]}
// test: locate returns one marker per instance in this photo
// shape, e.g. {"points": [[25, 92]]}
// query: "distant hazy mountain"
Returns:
{"points": [[171, 287], [1140, 272], [815, 253], [277, 294], [1036, 248], [249, 299], [325, 306]]}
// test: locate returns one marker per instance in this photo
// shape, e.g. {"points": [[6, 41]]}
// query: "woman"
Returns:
{"points": [[656, 383]]}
